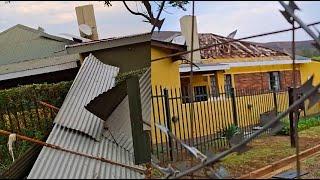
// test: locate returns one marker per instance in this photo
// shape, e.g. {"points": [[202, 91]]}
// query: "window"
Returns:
{"points": [[185, 84], [200, 93], [274, 81], [214, 87], [227, 84]]}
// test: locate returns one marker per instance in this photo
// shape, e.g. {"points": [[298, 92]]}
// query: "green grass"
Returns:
{"points": [[313, 132], [316, 58], [269, 149], [303, 124]]}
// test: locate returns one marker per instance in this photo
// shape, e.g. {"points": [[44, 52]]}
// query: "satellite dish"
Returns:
{"points": [[85, 29], [179, 40], [76, 38]]}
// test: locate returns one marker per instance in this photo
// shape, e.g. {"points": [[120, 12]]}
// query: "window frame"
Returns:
{"points": [[276, 78], [227, 87], [214, 90]]}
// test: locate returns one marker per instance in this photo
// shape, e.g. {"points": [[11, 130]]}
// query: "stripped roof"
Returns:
{"points": [[235, 49], [230, 50], [86, 134]]}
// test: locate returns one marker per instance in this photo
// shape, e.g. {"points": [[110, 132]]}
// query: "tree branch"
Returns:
{"points": [[135, 13], [148, 7], [157, 19]]}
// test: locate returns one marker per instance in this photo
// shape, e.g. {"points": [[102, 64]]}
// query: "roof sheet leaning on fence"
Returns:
{"points": [[93, 78], [77, 129], [118, 124]]}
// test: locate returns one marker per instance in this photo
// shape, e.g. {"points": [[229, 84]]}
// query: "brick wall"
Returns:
{"points": [[251, 81], [261, 80], [286, 79]]}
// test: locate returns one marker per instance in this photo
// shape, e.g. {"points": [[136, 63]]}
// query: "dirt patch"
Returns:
{"points": [[312, 166], [264, 151]]}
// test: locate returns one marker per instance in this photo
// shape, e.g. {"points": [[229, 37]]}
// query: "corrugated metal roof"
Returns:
{"points": [[145, 93], [41, 70], [55, 164], [21, 43], [38, 63], [108, 43], [119, 126], [107, 40], [118, 122], [93, 78]]}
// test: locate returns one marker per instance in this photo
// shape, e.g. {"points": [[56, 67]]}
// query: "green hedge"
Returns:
{"points": [[20, 113], [123, 76], [19, 107], [303, 124], [52, 93]]}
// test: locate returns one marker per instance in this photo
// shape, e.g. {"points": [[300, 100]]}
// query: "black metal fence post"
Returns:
{"points": [[291, 117], [274, 93], [168, 118], [140, 138], [234, 106]]}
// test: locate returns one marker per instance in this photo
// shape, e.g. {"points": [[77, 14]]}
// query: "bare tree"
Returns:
{"points": [[149, 13]]}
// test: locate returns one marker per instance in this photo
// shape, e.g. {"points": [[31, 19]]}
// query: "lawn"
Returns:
{"points": [[264, 151], [312, 167]]}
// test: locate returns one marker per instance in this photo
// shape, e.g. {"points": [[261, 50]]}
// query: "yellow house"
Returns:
{"points": [[217, 72], [238, 65]]}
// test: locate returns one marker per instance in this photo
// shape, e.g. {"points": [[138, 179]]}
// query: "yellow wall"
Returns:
{"points": [[245, 59], [307, 70], [216, 114], [254, 69], [198, 79], [164, 72]]}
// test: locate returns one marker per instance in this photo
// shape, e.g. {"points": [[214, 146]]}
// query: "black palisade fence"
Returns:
{"points": [[21, 111], [215, 113]]}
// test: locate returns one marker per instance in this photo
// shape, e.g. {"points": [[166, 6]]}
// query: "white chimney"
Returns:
{"points": [[186, 30]]}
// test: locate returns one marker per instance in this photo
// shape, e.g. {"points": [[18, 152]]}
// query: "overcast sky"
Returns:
{"points": [[217, 17]]}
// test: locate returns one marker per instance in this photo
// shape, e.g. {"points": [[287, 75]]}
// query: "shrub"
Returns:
{"points": [[18, 107], [233, 129], [123, 76]]}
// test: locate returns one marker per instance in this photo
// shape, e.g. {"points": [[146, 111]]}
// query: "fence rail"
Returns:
{"points": [[214, 113], [25, 112]]}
